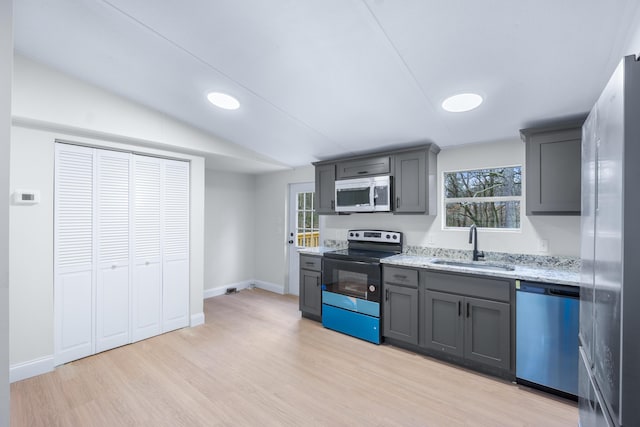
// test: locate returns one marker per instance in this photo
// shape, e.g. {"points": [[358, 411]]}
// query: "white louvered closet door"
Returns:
{"points": [[147, 268], [112, 211], [73, 253], [175, 268]]}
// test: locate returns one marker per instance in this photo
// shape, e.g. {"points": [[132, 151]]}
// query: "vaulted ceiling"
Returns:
{"points": [[321, 78]]}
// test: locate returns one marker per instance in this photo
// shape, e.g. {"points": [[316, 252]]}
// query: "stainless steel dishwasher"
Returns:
{"points": [[547, 319]]}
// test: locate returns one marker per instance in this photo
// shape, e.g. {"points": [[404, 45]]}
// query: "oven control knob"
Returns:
{"points": [[372, 288], [388, 236], [350, 234], [357, 234], [395, 237]]}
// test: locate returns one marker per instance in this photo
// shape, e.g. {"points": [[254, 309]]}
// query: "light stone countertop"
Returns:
{"points": [[521, 272], [315, 251]]}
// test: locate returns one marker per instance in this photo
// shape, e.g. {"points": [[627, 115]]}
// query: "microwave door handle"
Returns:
{"points": [[372, 195]]}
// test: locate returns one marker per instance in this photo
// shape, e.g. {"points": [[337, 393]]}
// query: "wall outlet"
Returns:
{"points": [[543, 246]]}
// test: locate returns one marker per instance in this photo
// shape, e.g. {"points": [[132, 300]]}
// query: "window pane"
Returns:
{"points": [[497, 182], [315, 220], [300, 220], [485, 214], [307, 200], [300, 201]]}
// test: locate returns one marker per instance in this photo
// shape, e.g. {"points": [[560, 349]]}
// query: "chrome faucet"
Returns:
{"points": [[473, 238]]}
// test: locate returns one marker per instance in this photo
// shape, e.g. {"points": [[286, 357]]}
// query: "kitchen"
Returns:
{"points": [[256, 254]]}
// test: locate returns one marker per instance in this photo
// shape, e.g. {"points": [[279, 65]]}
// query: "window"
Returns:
{"points": [[308, 232], [489, 198]]}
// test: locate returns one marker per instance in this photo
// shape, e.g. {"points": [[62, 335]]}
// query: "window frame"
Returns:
{"points": [[444, 199]]}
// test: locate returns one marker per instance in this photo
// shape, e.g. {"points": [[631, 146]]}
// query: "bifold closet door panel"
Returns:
{"points": [[73, 253], [175, 268], [113, 267], [147, 268]]}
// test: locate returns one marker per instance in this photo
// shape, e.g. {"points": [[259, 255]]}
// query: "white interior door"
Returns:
{"points": [[112, 284], [303, 228], [175, 245], [147, 268], [73, 253]]}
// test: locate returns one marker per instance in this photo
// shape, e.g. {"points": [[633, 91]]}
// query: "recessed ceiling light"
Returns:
{"points": [[223, 100], [462, 102]]}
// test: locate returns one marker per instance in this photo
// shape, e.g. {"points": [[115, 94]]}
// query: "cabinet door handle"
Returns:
{"points": [[333, 204], [459, 308], [317, 281], [400, 276], [309, 263], [397, 202], [467, 309], [362, 172], [386, 294]]}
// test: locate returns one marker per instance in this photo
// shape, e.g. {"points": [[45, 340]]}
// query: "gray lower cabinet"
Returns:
{"points": [[468, 317], [553, 169], [400, 308], [487, 332], [325, 189], [443, 322], [400, 313], [310, 286], [473, 328]]}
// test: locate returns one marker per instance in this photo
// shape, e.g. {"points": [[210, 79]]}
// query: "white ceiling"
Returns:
{"points": [[318, 79]]}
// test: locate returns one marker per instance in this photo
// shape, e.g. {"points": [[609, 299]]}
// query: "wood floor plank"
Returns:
{"points": [[255, 362]]}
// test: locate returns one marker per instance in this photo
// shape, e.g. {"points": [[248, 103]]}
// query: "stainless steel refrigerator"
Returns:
{"points": [[609, 367]]}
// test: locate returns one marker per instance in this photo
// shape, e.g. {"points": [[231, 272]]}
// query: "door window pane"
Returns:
{"points": [[307, 224]]}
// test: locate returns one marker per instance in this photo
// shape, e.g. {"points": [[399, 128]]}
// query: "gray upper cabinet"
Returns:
{"points": [[325, 189], [369, 166], [310, 286], [553, 170], [413, 171], [415, 182]]}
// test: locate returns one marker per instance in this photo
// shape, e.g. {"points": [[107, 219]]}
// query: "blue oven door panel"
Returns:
{"points": [[350, 303], [351, 323]]}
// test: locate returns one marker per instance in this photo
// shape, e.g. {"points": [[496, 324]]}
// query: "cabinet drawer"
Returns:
{"points": [[310, 262], [364, 167], [400, 276], [480, 287]]}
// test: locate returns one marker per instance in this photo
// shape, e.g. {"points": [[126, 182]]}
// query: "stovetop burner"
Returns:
{"points": [[369, 245]]}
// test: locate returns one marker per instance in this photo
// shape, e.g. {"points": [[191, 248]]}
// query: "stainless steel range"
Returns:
{"points": [[352, 282]]}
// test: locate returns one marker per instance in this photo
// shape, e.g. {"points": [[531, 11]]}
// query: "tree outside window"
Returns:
{"points": [[489, 198]]}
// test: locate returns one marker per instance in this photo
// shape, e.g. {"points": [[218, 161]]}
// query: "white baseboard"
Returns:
{"points": [[197, 319], [24, 370], [268, 286], [221, 290]]}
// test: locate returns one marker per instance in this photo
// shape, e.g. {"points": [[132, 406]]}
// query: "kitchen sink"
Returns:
{"points": [[479, 265]]}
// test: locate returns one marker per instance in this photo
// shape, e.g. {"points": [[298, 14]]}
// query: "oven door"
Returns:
{"points": [[352, 278]]}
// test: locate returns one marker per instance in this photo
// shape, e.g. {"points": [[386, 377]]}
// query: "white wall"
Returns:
{"points": [[31, 233], [561, 232], [271, 248], [229, 229], [6, 69], [58, 99]]}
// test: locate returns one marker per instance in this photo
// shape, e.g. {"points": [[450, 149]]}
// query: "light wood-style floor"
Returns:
{"points": [[257, 363]]}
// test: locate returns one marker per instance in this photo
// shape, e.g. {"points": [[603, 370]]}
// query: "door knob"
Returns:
{"points": [[291, 242]]}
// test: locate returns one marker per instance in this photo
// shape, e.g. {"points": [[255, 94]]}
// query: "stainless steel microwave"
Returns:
{"points": [[371, 194]]}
